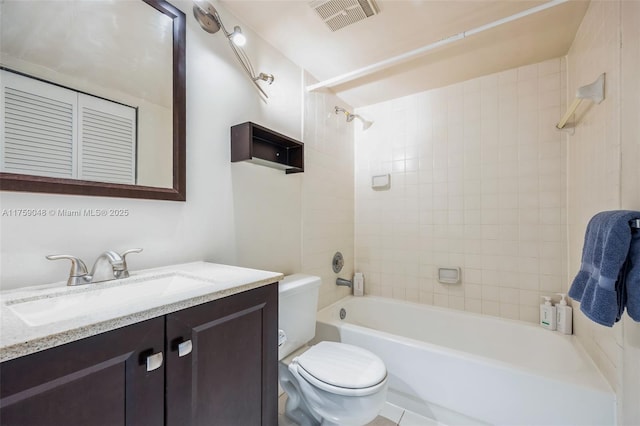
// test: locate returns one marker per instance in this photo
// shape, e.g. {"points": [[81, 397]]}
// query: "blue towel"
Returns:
{"points": [[601, 286], [631, 279]]}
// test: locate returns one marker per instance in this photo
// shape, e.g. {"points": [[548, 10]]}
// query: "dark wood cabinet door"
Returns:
{"points": [[100, 380], [230, 376]]}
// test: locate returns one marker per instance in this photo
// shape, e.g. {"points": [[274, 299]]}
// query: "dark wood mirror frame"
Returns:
{"points": [[30, 183]]}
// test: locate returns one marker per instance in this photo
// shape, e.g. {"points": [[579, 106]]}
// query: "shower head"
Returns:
{"points": [[207, 16], [350, 117], [366, 123]]}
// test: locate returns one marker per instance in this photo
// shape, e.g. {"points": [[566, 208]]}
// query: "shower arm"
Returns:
{"points": [[350, 117], [246, 64], [342, 110], [241, 56]]}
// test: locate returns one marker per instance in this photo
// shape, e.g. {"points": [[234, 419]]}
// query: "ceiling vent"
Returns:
{"points": [[340, 13]]}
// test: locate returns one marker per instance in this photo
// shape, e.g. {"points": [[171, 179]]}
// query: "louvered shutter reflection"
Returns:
{"points": [[51, 131], [38, 123], [107, 141]]}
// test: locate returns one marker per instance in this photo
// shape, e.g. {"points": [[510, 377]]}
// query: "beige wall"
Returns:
{"points": [[155, 146], [603, 158], [477, 181], [630, 193], [240, 214]]}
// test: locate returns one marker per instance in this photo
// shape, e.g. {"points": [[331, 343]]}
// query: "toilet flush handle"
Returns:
{"points": [[282, 337]]}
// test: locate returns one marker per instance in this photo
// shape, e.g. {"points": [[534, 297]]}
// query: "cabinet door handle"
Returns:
{"points": [[154, 361], [185, 348]]}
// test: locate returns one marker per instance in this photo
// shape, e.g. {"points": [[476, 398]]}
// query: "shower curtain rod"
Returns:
{"points": [[370, 69]]}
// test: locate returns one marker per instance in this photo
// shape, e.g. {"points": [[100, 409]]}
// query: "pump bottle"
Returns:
{"points": [[564, 317], [358, 284], [548, 314]]}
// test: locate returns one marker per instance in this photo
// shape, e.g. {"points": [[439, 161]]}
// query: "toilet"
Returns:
{"points": [[329, 383]]}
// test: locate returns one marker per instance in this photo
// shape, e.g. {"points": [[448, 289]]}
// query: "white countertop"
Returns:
{"points": [[17, 338]]}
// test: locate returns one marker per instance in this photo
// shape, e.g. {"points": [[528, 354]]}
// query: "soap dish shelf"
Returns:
{"points": [[260, 145]]}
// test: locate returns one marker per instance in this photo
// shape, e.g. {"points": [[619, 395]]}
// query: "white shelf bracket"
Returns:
{"points": [[593, 92]]}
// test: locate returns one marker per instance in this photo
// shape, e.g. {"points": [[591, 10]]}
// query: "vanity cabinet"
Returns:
{"points": [[219, 368], [230, 376], [100, 380]]}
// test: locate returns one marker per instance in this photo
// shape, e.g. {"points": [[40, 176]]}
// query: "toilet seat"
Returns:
{"points": [[342, 369]]}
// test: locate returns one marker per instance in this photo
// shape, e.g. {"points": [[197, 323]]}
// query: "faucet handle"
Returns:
{"points": [[125, 272], [133, 250], [78, 272]]}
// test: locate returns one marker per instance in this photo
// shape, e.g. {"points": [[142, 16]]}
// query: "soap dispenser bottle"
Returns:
{"points": [[564, 317], [548, 314], [358, 284]]}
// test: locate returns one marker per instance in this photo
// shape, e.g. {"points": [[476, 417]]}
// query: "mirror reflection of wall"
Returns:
{"points": [[117, 50]]}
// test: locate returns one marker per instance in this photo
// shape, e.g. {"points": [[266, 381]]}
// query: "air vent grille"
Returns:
{"points": [[367, 7], [338, 14]]}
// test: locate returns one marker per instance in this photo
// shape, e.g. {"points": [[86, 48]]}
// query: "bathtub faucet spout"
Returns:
{"points": [[346, 283]]}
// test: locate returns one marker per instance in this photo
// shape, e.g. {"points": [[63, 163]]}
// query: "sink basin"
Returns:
{"points": [[107, 297]]}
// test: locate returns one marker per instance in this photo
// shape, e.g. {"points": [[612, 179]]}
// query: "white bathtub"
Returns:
{"points": [[488, 369]]}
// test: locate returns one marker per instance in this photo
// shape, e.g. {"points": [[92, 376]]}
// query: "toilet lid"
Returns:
{"points": [[342, 365]]}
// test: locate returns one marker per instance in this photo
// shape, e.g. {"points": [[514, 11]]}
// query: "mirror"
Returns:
{"points": [[125, 54]]}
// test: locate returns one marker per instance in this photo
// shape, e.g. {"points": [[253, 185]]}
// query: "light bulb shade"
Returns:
{"points": [[237, 37]]}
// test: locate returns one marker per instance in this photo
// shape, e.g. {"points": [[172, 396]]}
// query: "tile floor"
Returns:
{"points": [[390, 415]]}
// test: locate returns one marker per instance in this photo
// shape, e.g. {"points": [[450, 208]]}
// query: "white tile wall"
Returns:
{"points": [[327, 192], [594, 159], [477, 181], [603, 156]]}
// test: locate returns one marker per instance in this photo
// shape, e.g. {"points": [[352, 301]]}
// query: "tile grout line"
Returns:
{"points": [[401, 416]]}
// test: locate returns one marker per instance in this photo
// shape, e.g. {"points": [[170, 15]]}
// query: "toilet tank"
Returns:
{"points": [[297, 307]]}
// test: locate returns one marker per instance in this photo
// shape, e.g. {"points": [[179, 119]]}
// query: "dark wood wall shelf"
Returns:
{"points": [[257, 144]]}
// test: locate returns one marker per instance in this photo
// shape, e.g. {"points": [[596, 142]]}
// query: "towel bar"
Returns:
{"points": [[635, 224]]}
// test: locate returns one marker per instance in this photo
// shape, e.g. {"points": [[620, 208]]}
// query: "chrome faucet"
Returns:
{"points": [[108, 266], [343, 282]]}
